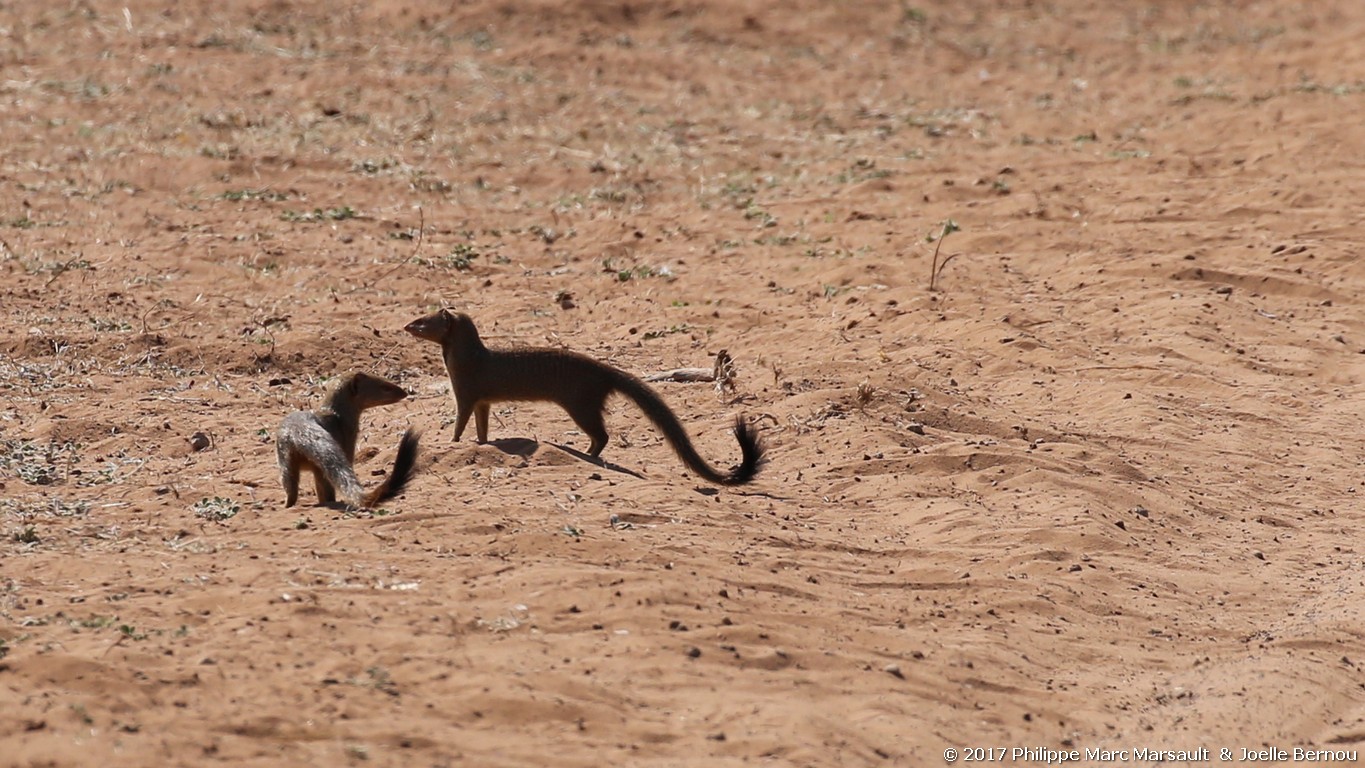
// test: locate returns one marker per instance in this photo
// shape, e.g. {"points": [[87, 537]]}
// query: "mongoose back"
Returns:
{"points": [[323, 442], [480, 376]]}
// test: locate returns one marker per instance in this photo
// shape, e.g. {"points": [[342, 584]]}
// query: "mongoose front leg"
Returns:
{"points": [[463, 410], [481, 421]]}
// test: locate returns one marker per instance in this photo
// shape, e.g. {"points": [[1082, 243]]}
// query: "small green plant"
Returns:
{"points": [[63, 508], [739, 192], [52, 506], [382, 680], [216, 509], [777, 240], [27, 535], [609, 195], [547, 234], [317, 214], [130, 632], [39, 463], [912, 15], [639, 271], [754, 213], [236, 195], [107, 325], [220, 151], [376, 166], [626, 274], [56, 268], [461, 256], [935, 268], [377, 678], [684, 328], [862, 169]]}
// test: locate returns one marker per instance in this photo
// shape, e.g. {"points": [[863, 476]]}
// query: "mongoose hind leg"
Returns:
{"points": [[326, 493], [289, 476], [589, 418]]}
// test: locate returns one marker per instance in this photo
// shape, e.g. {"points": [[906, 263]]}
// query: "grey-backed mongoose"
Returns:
{"points": [[480, 376], [323, 442]]}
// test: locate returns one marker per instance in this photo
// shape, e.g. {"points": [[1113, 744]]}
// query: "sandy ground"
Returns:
{"points": [[1098, 489]]}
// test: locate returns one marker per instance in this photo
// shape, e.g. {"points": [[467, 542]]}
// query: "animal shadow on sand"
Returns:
{"points": [[526, 447]]}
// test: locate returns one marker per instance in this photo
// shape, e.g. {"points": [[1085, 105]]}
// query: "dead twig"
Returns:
{"points": [[416, 247], [722, 373]]}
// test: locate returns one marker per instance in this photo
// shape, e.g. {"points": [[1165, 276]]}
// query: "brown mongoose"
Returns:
{"points": [[323, 442], [480, 376]]}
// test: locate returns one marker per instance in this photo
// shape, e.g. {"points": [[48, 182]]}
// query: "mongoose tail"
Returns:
{"points": [[404, 467], [480, 376], [323, 442], [750, 446]]}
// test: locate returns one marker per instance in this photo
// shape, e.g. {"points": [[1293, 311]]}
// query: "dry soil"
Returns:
{"points": [[1094, 485]]}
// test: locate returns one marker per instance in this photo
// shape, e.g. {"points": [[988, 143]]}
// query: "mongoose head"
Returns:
{"points": [[368, 391], [443, 326]]}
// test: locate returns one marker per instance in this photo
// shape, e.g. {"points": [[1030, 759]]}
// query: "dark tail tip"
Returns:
{"points": [[752, 451], [404, 467]]}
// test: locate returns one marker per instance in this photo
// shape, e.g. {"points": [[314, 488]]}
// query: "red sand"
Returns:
{"points": [[1097, 490]]}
